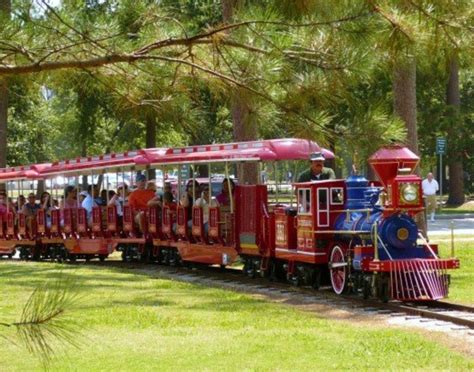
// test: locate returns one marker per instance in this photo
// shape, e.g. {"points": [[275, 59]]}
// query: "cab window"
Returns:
{"points": [[304, 201], [337, 195]]}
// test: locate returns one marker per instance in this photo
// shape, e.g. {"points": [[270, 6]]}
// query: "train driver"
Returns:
{"points": [[317, 171]]}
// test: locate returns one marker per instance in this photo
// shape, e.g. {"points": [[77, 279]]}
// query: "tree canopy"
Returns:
{"points": [[85, 76]]}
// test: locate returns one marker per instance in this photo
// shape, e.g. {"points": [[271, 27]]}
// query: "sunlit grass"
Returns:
{"points": [[461, 289], [131, 320]]}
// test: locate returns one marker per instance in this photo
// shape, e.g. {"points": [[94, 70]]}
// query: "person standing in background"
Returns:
{"points": [[430, 188]]}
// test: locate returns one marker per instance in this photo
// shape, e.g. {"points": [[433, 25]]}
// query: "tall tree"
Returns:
{"points": [[404, 97], [455, 162], [5, 9], [244, 123]]}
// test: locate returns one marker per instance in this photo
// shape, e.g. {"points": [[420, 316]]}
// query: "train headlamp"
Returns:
{"points": [[409, 194]]}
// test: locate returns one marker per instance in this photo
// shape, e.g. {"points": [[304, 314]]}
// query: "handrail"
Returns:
{"points": [[425, 243]]}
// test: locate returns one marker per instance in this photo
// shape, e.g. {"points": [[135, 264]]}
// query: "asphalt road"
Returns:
{"points": [[442, 225]]}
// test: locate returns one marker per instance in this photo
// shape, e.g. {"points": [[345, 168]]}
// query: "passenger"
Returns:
{"points": [[168, 189], [168, 200], [158, 200], [82, 196], [139, 199], [97, 196], [187, 200], [103, 198], [114, 200], [89, 203], [122, 190], [204, 203], [3, 205], [30, 209], [70, 198], [151, 185], [317, 171], [223, 198], [45, 203], [20, 202]]}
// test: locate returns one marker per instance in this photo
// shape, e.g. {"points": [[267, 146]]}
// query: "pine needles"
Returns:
{"points": [[46, 323]]}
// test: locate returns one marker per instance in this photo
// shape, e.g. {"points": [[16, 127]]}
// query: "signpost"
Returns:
{"points": [[441, 145]]}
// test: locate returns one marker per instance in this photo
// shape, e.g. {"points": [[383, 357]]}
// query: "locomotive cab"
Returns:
{"points": [[303, 234]]}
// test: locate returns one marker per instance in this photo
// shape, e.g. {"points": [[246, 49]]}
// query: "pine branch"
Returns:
{"points": [[45, 319]]}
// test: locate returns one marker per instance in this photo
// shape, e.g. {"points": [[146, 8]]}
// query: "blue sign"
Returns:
{"points": [[441, 145]]}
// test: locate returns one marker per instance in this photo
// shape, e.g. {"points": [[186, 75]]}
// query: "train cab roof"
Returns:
{"points": [[333, 182]]}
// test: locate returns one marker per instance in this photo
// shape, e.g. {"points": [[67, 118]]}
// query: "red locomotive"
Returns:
{"points": [[361, 237]]}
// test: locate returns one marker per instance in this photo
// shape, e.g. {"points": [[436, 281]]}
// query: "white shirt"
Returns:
{"points": [[429, 188], [88, 203]]}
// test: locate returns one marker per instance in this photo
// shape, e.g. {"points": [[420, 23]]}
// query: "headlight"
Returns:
{"points": [[409, 194]]}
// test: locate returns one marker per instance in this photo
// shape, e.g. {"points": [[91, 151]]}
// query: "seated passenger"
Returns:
{"points": [[204, 203], [113, 201], [168, 200], [139, 199], [187, 199], [20, 202], [223, 198], [30, 210], [122, 190], [82, 196], [3, 205], [151, 185], [98, 196], [45, 203], [103, 198], [89, 202], [158, 200], [70, 198]]}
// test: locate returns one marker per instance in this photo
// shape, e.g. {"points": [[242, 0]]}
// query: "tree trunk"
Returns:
{"points": [[244, 124], [5, 10], [150, 140], [404, 99], [3, 122], [455, 160], [245, 129], [404, 106]]}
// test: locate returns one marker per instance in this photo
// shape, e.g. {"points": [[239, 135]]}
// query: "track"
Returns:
{"points": [[440, 314]]}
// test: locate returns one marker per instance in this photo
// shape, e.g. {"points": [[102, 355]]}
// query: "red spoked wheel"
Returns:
{"points": [[338, 270]]}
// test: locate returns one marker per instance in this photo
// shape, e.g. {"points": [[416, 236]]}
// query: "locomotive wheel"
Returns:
{"points": [[338, 270], [102, 257]]}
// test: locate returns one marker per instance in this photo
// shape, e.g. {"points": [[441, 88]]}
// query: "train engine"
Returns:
{"points": [[387, 256]]}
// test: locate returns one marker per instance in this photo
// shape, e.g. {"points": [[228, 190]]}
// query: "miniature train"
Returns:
{"points": [[360, 237]]}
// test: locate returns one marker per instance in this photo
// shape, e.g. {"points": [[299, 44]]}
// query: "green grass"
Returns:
{"points": [[135, 321], [461, 289]]}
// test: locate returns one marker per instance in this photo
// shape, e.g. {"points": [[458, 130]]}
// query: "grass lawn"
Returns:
{"points": [[136, 321], [461, 289]]}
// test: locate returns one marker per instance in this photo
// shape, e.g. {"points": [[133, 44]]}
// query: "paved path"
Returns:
{"points": [[442, 225]]}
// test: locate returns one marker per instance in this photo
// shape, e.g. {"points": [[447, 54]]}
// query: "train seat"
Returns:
{"points": [[154, 221], [97, 220], [168, 221], [198, 230], [182, 219], [112, 219]]}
